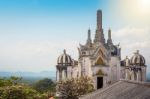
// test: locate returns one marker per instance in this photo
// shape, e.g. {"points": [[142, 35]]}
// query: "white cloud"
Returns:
{"points": [[132, 39], [132, 34], [33, 55]]}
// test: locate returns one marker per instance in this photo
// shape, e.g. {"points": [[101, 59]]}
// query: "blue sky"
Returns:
{"points": [[33, 33]]}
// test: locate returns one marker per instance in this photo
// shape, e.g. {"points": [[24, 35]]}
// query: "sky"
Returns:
{"points": [[33, 33]]}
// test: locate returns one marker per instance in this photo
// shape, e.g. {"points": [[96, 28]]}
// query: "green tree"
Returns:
{"points": [[12, 92], [44, 85], [12, 89], [20, 92], [75, 87], [5, 82], [15, 80]]}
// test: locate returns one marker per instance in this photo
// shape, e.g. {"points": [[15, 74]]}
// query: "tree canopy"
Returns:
{"points": [[44, 85], [11, 88]]}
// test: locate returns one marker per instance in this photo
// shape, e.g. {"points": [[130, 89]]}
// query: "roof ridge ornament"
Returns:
{"points": [[64, 51], [137, 51]]}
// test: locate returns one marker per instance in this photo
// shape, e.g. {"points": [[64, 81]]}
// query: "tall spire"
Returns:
{"points": [[99, 36], [89, 41], [109, 41], [89, 34], [99, 19]]}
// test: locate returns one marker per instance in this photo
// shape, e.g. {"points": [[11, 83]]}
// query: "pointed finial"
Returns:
{"points": [[109, 41], [89, 34], [137, 51], [109, 33], [64, 51], [89, 30], [119, 44]]}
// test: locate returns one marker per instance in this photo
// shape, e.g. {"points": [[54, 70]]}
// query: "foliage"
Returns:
{"points": [[15, 80], [12, 92], [30, 80], [12, 89], [44, 85], [20, 92], [75, 87], [5, 82]]}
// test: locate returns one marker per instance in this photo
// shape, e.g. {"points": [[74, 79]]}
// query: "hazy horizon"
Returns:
{"points": [[33, 33]]}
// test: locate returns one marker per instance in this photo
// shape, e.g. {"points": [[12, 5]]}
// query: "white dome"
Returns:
{"points": [[64, 59], [138, 59]]}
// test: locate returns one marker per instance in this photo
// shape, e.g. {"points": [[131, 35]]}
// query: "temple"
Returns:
{"points": [[101, 61]]}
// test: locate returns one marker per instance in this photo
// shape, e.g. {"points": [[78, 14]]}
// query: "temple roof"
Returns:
{"points": [[122, 89]]}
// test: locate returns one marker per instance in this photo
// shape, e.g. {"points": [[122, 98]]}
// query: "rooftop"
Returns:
{"points": [[122, 89]]}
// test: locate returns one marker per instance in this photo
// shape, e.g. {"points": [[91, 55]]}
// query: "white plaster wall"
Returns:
{"points": [[138, 76], [115, 68], [57, 75], [69, 70], [123, 72], [75, 72], [143, 73], [79, 69], [63, 75], [95, 82], [86, 62]]}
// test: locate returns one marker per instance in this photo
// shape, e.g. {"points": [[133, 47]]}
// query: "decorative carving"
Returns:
{"points": [[100, 72], [100, 62]]}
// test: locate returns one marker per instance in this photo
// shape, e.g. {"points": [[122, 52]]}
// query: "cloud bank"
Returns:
{"points": [[132, 39]]}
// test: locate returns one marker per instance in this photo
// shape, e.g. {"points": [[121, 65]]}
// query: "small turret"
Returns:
{"points": [[64, 51], [89, 41], [109, 41]]}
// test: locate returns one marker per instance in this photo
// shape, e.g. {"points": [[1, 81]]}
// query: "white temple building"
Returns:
{"points": [[101, 61]]}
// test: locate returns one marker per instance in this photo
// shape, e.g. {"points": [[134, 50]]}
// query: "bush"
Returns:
{"points": [[75, 87]]}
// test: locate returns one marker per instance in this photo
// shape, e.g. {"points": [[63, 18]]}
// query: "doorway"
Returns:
{"points": [[99, 82]]}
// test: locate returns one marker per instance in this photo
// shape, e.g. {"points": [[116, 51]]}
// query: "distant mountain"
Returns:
{"points": [[43, 74]]}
